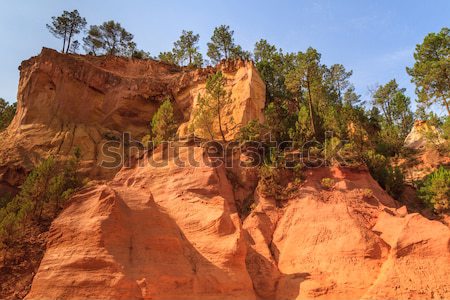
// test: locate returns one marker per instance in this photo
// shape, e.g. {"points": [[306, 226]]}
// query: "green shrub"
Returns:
{"points": [[4, 200], [247, 206], [351, 154], [164, 126], [327, 183], [331, 149], [445, 147], [12, 218], [7, 112], [390, 178], [367, 193], [251, 131], [394, 183], [298, 172], [270, 180], [446, 128], [435, 190], [146, 140], [41, 195]]}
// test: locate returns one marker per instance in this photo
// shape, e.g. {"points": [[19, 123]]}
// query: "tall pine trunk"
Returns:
{"points": [[64, 41], [220, 124], [70, 37], [311, 114], [447, 106]]}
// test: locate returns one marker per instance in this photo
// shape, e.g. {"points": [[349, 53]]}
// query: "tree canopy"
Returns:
{"points": [[186, 49], [431, 70], [210, 107], [7, 112], [66, 26], [222, 45], [109, 38]]}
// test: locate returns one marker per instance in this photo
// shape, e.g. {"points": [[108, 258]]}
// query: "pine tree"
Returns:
{"points": [[66, 26], [431, 71], [7, 112], [222, 46], [186, 49], [212, 104], [164, 125], [109, 38]]}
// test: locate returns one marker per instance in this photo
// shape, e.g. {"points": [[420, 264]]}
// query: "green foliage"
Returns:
{"points": [[66, 26], [186, 49], [327, 183], [336, 77], [367, 193], [92, 43], [12, 218], [42, 194], [222, 45], [146, 139], [302, 130], [168, 57], [435, 190], [74, 47], [350, 98], [304, 81], [251, 131], [5, 199], [390, 178], [109, 38], [430, 72], [271, 180], [7, 112], [273, 66], [397, 119], [247, 206], [446, 129], [279, 120], [394, 183], [331, 149], [164, 125], [140, 54], [203, 118], [211, 106]]}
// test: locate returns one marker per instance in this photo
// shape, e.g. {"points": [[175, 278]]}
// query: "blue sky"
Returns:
{"points": [[375, 39]]}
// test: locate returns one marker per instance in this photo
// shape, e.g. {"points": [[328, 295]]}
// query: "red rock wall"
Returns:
{"points": [[67, 100]]}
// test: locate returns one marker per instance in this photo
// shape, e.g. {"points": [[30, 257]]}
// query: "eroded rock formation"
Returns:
{"points": [[174, 233], [179, 232], [66, 101]]}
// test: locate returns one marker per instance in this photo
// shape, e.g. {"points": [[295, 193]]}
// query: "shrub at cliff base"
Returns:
{"points": [[390, 178], [42, 195], [435, 190]]}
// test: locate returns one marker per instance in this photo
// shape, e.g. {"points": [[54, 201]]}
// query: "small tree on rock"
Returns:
{"points": [[164, 125], [66, 26], [211, 105], [222, 45], [110, 37], [186, 49]]}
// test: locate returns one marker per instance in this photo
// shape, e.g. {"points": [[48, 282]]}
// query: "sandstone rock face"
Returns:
{"points": [[151, 233], [67, 101], [167, 229], [343, 244], [424, 140], [417, 137], [174, 233]]}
